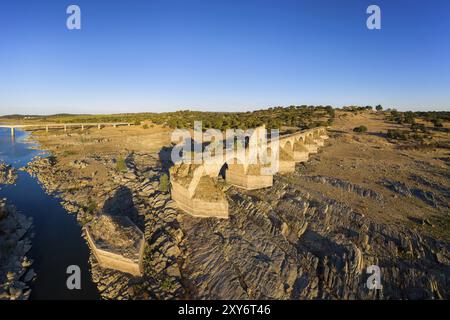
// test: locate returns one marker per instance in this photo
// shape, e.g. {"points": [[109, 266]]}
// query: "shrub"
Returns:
{"points": [[164, 183], [167, 285], [120, 165], [437, 123], [409, 117], [67, 153], [418, 127], [145, 126], [360, 129], [92, 207], [395, 113], [52, 160], [397, 134]]}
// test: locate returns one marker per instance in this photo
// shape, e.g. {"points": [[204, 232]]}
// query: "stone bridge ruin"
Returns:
{"points": [[197, 189]]}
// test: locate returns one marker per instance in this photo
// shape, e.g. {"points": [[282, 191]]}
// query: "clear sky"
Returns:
{"points": [[227, 55]]}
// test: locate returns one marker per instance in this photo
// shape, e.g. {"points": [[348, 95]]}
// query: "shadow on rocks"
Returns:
{"points": [[122, 204]]}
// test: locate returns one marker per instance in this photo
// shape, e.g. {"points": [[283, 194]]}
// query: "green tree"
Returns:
{"points": [[360, 129], [120, 165], [437, 123], [164, 183], [379, 108]]}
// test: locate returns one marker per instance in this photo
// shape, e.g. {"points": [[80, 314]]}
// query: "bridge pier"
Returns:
{"points": [[311, 145], [301, 152], [82, 127], [46, 129], [65, 128], [12, 132], [99, 126]]}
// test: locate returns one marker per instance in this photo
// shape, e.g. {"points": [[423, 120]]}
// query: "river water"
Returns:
{"points": [[57, 243]]}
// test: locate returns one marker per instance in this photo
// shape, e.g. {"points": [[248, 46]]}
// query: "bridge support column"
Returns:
{"points": [[65, 128], [82, 127], [46, 128], [114, 125], [99, 126], [12, 132]]}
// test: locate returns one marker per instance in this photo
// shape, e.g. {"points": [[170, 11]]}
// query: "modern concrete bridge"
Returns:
{"points": [[194, 186], [64, 126]]}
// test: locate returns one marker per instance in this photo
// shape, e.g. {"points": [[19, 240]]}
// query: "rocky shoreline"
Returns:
{"points": [[15, 242], [133, 192], [8, 174]]}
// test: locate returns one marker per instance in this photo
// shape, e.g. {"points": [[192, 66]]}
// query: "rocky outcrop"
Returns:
{"points": [[8, 174], [133, 193], [285, 243], [15, 242], [347, 186], [428, 197]]}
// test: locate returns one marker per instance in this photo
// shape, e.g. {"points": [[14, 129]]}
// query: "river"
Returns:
{"points": [[57, 243]]}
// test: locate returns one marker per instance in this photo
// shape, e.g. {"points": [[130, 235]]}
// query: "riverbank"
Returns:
{"points": [[94, 184], [15, 243], [57, 241]]}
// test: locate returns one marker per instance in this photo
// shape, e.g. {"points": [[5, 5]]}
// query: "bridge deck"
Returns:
{"points": [[44, 125]]}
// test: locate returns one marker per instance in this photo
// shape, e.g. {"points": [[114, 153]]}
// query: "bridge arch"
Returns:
{"points": [[288, 146], [316, 133]]}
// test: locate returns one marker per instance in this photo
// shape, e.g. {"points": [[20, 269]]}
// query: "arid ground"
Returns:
{"points": [[364, 199]]}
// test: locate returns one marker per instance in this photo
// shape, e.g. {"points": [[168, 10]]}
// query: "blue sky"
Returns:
{"points": [[222, 55]]}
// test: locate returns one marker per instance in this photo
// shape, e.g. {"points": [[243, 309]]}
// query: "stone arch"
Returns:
{"points": [[299, 145], [287, 152], [288, 146], [223, 171], [246, 142], [268, 155], [235, 163]]}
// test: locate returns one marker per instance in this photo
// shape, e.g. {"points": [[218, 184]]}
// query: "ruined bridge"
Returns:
{"points": [[196, 188]]}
